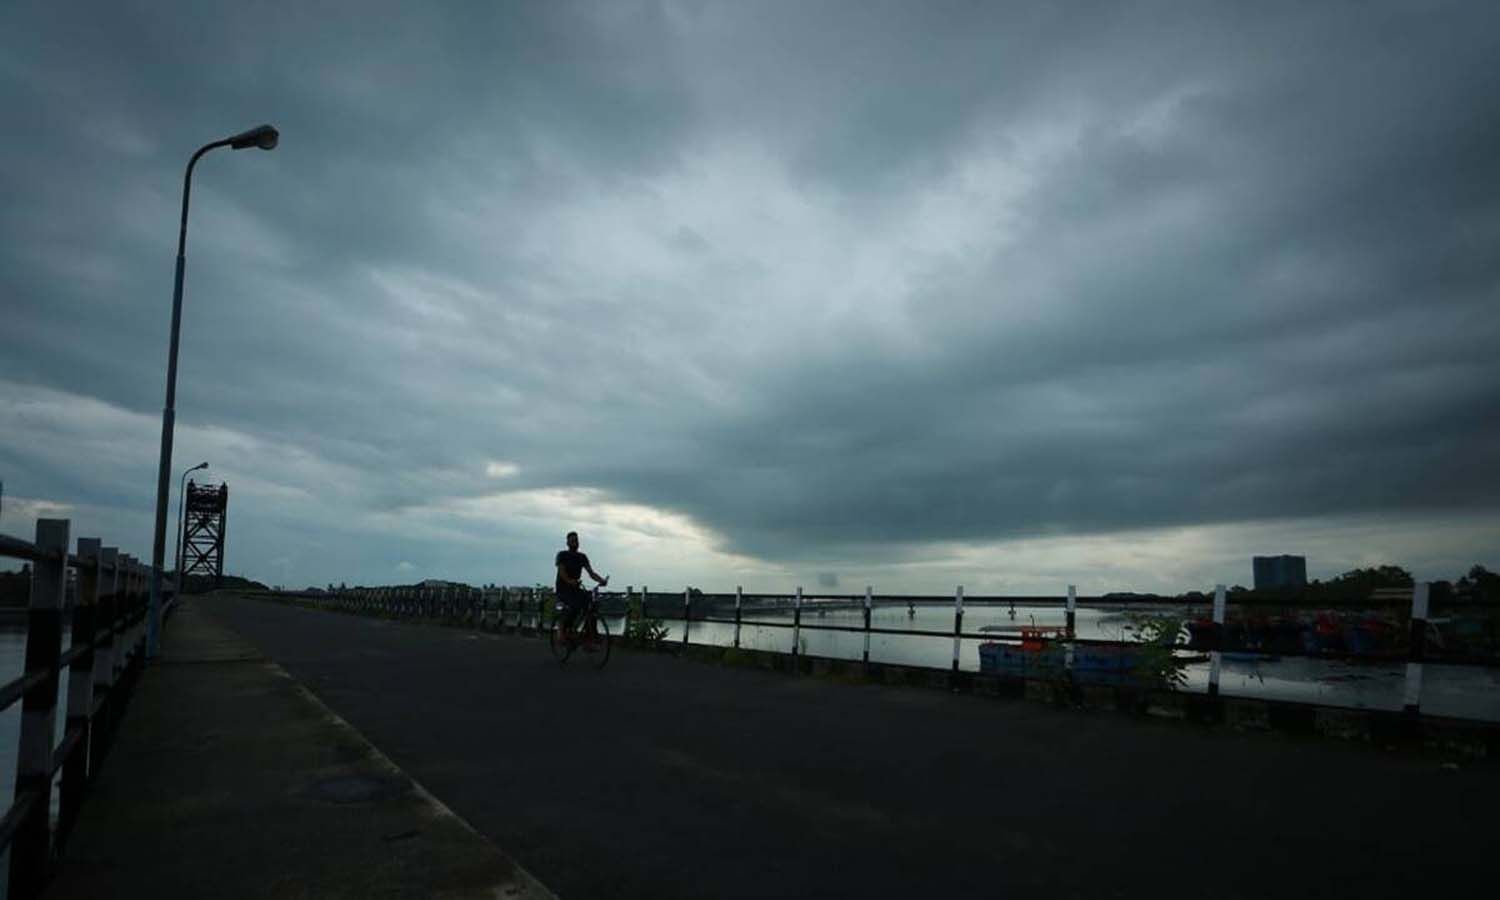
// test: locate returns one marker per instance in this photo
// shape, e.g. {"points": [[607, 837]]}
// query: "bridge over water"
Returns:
{"points": [[662, 777]]}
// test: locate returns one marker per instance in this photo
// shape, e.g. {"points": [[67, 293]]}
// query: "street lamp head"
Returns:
{"points": [[264, 137], [202, 465]]}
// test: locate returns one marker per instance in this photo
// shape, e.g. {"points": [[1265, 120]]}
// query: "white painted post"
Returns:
{"points": [[1216, 657], [869, 597], [126, 644], [1418, 648], [1072, 610], [687, 612], [739, 599], [123, 599], [958, 625], [144, 625], [138, 638], [797, 623], [30, 849], [81, 681], [110, 604]]}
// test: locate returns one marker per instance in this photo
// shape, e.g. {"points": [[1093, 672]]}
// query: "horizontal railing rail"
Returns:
{"points": [[104, 661]]}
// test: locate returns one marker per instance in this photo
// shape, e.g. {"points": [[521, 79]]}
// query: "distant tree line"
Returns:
{"points": [[1480, 585]]}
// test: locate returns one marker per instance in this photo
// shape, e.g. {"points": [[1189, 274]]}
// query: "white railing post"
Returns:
{"points": [[81, 681], [797, 624], [31, 845], [138, 630], [125, 642], [1417, 650], [143, 587], [110, 604], [687, 612], [739, 599], [958, 625], [1216, 656], [1072, 615], [869, 598]]}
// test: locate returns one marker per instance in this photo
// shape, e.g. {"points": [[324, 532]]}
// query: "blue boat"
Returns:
{"points": [[1106, 664], [1042, 655], [1020, 660]]}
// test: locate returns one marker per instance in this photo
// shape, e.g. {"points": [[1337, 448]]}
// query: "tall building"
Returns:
{"points": [[1272, 572]]}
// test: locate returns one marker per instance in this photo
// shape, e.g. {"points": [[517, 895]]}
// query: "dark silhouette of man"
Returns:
{"points": [[570, 568]]}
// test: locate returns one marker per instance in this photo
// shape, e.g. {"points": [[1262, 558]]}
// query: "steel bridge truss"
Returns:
{"points": [[203, 536]]}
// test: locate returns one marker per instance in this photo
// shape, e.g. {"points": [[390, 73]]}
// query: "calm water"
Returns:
{"points": [[1459, 691]]}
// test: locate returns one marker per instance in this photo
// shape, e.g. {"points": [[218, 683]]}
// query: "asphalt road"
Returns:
{"points": [[660, 777]]}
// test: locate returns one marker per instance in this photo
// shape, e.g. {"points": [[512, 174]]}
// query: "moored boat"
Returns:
{"points": [[1038, 655]]}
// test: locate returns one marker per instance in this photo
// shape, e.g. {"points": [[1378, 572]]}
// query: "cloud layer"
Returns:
{"points": [[767, 293]]}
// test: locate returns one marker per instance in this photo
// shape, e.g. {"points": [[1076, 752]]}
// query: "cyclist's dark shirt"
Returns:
{"points": [[573, 563]]}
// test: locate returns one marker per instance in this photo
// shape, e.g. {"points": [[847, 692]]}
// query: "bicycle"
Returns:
{"points": [[590, 633]]}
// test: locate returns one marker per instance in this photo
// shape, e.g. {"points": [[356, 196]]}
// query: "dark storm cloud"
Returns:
{"points": [[833, 280], [1315, 337], [385, 113]]}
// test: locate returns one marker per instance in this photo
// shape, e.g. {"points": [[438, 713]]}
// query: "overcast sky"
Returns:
{"points": [[901, 294]]}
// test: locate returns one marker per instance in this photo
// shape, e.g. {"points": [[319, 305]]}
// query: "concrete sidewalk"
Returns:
{"points": [[229, 779]]}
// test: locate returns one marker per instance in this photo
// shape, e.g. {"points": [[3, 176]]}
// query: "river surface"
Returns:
{"points": [[1469, 692]]}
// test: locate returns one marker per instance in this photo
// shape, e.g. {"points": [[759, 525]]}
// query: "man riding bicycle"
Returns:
{"points": [[570, 591]]}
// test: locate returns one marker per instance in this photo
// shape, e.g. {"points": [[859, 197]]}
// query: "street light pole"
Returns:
{"points": [[265, 137], [181, 522]]}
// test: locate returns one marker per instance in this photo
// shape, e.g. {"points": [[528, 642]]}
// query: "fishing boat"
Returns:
{"points": [[1038, 655], [1267, 636], [1106, 663]]}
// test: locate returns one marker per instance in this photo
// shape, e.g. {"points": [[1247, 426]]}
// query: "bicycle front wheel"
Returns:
{"points": [[595, 645]]}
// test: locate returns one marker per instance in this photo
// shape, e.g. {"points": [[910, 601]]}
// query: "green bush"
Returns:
{"points": [[1159, 635], [641, 630]]}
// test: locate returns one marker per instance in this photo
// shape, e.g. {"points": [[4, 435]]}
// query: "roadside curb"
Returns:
{"points": [[529, 888], [231, 778]]}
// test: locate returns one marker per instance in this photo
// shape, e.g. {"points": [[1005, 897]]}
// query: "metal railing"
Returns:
{"points": [[104, 662], [529, 610], [525, 610]]}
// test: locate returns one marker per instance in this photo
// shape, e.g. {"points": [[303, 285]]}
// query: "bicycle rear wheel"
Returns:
{"points": [[595, 646], [561, 649]]}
